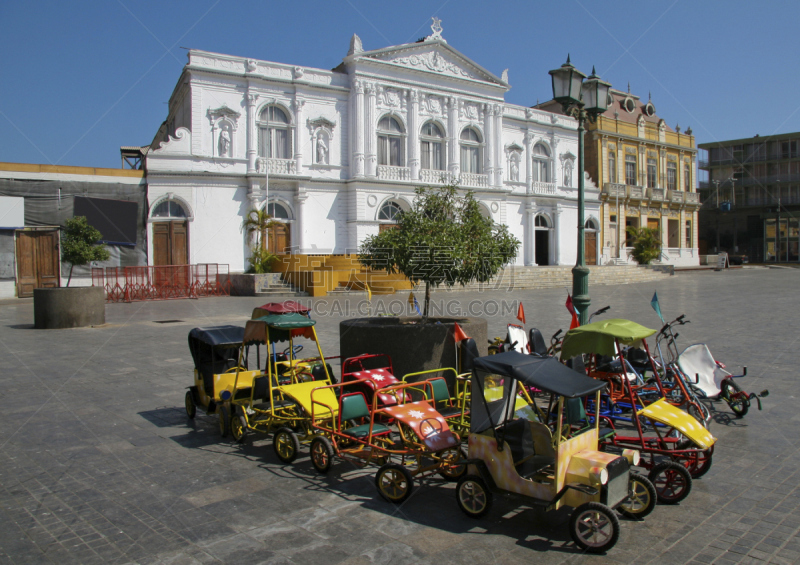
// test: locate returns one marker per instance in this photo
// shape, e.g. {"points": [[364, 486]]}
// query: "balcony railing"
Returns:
{"points": [[614, 189], [277, 166], [691, 198], [474, 179], [388, 172], [434, 176], [675, 196], [636, 192], [655, 194], [540, 187]]}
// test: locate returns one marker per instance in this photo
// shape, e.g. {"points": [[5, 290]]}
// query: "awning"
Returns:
{"points": [[280, 326], [286, 307], [599, 337]]}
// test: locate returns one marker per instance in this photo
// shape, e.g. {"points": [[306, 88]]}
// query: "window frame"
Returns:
{"points": [[427, 144], [391, 144], [268, 130], [471, 151], [672, 175], [652, 172], [630, 170], [541, 163]]}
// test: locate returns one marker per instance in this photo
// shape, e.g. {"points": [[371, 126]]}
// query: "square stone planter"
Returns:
{"points": [[247, 284], [55, 308]]}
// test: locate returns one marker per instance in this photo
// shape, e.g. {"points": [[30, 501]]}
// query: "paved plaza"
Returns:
{"points": [[99, 463]]}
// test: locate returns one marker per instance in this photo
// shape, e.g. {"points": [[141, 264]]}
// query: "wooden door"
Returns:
{"points": [[170, 243], [280, 238], [590, 245], [37, 261]]}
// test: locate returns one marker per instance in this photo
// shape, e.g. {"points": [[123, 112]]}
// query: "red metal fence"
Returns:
{"points": [[164, 282]]}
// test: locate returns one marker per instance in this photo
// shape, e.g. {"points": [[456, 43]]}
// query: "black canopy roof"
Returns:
{"points": [[218, 336], [544, 373]]}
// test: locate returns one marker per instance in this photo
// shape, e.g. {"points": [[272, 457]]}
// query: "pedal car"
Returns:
{"points": [[268, 404], [675, 445], [369, 373], [523, 456], [217, 363], [419, 444]]}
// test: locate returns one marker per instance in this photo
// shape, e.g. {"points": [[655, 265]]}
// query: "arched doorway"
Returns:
{"points": [[170, 234], [279, 236], [590, 241], [387, 215], [541, 240]]}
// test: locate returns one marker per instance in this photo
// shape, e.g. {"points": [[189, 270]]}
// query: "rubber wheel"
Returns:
{"points": [[642, 497], [191, 407], [224, 421], [594, 527], [473, 496], [698, 464], [321, 454], [286, 445], [453, 472], [394, 483], [672, 481], [699, 414], [239, 425], [739, 406]]}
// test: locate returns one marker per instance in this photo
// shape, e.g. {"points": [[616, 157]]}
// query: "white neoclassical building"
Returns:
{"points": [[342, 151]]}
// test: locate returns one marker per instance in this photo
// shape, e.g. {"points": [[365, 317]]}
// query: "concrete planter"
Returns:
{"points": [[55, 308], [248, 284], [413, 344]]}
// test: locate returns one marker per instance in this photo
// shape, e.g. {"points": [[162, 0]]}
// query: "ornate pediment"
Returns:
{"points": [[321, 122], [223, 112], [433, 56]]}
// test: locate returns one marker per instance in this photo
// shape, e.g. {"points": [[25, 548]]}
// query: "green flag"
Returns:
{"points": [[656, 306]]}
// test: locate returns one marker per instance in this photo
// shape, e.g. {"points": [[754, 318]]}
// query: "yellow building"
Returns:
{"points": [[647, 175]]}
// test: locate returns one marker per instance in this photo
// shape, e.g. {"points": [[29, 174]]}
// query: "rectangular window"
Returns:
{"points": [[390, 151], [651, 172], [470, 162], [688, 233], [687, 177], [672, 175], [630, 170], [612, 166]]}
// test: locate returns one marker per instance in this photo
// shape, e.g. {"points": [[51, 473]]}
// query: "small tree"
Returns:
{"points": [[645, 244], [259, 222], [443, 239], [79, 244]]}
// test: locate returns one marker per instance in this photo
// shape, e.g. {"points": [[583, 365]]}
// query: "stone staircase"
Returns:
{"points": [[522, 278]]}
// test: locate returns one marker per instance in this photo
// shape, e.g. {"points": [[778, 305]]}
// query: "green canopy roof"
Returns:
{"points": [[287, 321], [280, 327], [599, 337]]}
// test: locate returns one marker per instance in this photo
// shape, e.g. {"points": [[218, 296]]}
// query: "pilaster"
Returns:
{"points": [[358, 131], [453, 165], [252, 140], [370, 132], [413, 134], [488, 138], [300, 137]]}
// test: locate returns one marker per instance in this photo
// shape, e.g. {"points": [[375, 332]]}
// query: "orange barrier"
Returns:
{"points": [[163, 282]]}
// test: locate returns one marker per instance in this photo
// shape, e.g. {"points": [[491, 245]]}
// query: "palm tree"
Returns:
{"points": [[258, 221]]}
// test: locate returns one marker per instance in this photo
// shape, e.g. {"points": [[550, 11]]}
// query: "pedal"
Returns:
{"points": [[764, 393]]}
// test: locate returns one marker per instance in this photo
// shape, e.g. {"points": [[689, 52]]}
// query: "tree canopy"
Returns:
{"points": [[442, 239], [79, 244]]}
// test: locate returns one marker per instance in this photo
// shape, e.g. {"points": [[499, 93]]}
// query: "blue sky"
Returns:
{"points": [[80, 79]]}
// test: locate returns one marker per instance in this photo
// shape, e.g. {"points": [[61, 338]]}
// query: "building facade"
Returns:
{"points": [[752, 198], [334, 155], [646, 172]]}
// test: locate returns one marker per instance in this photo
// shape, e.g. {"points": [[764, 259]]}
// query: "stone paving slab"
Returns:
{"points": [[99, 464]]}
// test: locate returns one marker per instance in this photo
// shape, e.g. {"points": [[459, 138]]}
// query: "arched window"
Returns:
{"points": [[541, 221], [432, 147], [168, 209], [471, 151], [390, 142], [277, 211], [590, 224], [389, 211], [541, 163], [273, 133]]}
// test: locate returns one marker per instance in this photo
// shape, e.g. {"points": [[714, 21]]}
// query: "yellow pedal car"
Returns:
{"points": [[515, 454]]}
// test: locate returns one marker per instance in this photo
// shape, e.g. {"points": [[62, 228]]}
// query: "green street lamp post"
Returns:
{"points": [[583, 100]]}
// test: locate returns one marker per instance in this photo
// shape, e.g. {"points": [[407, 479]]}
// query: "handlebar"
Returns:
{"points": [[555, 335], [602, 310]]}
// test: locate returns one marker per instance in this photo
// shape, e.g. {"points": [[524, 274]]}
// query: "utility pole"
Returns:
{"points": [[735, 217], [778, 226], [716, 184]]}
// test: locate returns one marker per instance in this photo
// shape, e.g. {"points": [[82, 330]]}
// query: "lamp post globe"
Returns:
{"points": [[567, 82]]}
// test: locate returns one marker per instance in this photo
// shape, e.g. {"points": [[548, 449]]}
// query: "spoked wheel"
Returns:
{"points": [[697, 463], [473, 496], [191, 407], [641, 497], [594, 527], [672, 481], [321, 454], [450, 469], [239, 425], [394, 482], [700, 413], [737, 402], [286, 445], [224, 421]]}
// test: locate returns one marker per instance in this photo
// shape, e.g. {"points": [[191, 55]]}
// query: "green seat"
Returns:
{"points": [[363, 430]]}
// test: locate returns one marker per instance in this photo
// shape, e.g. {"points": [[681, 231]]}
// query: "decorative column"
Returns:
{"points": [[300, 218], [413, 134], [252, 139], [530, 239], [488, 138], [369, 132], [452, 138], [557, 233], [358, 131], [498, 154], [298, 142], [529, 136]]}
